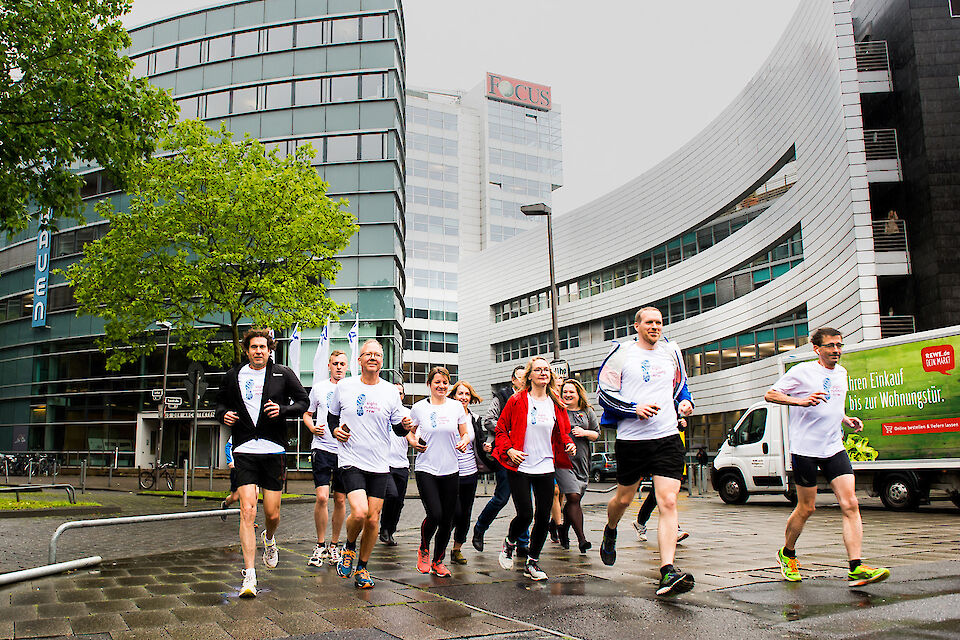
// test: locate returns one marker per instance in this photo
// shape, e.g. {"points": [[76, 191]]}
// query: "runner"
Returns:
{"points": [[397, 483], [256, 399], [584, 429], [441, 425], [533, 438], [817, 391], [361, 414], [323, 460], [640, 381], [471, 465]]}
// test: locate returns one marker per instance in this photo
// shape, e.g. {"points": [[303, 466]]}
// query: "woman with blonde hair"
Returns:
{"points": [[532, 441], [471, 466], [584, 429]]}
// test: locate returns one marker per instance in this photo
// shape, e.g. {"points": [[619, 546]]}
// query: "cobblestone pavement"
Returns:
{"points": [[179, 580]]}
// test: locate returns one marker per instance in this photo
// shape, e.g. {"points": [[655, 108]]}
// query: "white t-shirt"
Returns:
{"points": [[320, 396], [647, 378], [439, 426], [538, 439], [370, 411], [251, 388], [467, 460], [816, 431], [397, 455]]}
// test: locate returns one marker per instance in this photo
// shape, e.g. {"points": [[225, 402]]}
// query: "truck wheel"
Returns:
{"points": [[899, 494], [731, 489]]}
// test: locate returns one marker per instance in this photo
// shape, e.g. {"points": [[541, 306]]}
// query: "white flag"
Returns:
{"points": [[322, 355], [353, 338], [295, 350]]}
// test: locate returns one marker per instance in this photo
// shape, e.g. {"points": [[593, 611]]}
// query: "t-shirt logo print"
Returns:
{"points": [[645, 367], [360, 400], [433, 419], [533, 414], [826, 387], [248, 390], [329, 397]]}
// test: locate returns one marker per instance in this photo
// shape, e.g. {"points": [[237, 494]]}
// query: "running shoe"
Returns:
{"points": [[864, 575], [362, 579], [674, 582], [334, 554], [345, 566], [641, 531], [439, 570], [390, 542], [456, 557], [477, 540], [789, 567], [423, 560], [533, 571], [585, 546], [223, 505], [249, 587], [563, 532], [554, 534], [506, 554], [682, 535], [608, 547], [270, 553], [316, 560]]}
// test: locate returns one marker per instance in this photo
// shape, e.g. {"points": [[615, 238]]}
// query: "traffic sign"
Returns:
{"points": [[560, 369], [196, 384]]}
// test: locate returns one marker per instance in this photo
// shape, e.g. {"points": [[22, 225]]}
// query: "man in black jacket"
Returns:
{"points": [[256, 400]]}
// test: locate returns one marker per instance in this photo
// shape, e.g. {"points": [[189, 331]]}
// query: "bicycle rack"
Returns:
{"points": [[35, 488]]}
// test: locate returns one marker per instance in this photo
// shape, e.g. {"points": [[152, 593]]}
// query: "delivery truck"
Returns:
{"points": [[906, 391]]}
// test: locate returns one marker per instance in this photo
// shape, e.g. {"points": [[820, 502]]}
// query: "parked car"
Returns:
{"points": [[602, 466]]}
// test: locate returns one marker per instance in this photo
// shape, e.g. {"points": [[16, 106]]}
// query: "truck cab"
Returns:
{"points": [[753, 460]]}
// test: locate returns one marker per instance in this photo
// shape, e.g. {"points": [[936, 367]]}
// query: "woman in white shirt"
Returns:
{"points": [[441, 425], [470, 469]]}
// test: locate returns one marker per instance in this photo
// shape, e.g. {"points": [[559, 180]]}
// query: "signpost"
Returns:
{"points": [[196, 386]]}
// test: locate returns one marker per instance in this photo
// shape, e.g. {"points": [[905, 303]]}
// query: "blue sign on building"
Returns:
{"points": [[41, 274]]}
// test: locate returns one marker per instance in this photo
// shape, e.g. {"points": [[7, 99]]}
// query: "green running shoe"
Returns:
{"points": [[866, 575], [789, 567]]}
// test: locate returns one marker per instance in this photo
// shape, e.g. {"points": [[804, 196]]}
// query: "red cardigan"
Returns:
{"points": [[512, 430]]}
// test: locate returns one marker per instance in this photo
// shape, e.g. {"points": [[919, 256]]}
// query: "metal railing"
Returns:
{"points": [[36, 488], [890, 235], [94, 458], [892, 326], [881, 144], [872, 56]]}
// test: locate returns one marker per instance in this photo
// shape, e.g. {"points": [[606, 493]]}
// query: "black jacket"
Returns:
{"points": [[281, 385]]}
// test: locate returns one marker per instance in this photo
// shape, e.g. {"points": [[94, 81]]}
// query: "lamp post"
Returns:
{"points": [[541, 209], [163, 393]]}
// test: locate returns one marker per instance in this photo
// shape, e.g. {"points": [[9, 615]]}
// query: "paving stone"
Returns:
{"points": [[145, 633], [176, 578], [98, 623], [406, 623], [349, 618], [12, 613], [111, 606], [97, 583], [253, 629], [379, 596], [166, 589], [32, 597], [292, 605], [41, 627], [210, 587], [470, 626], [203, 599], [205, 631], [118, 593], [199, 615], [246, 609], [442, 609], [6, 629], [159, 602], [135, 581], [148, 618], [301, 623], [80, 595], [61, 610]]}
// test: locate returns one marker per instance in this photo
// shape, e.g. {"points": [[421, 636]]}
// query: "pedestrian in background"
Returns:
{"points": [[584, 430], [471, 466]]}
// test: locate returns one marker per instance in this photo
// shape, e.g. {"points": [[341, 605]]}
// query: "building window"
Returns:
{"points": [[280, 38]]}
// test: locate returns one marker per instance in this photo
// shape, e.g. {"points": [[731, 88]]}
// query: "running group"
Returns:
{"points": [[536, 441]]}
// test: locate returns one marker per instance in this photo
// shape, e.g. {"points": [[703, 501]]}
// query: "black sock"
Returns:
{"points": [[665, 569], [790, 553], [609, 533], [361, 565], [351, 546], [854, 564]]}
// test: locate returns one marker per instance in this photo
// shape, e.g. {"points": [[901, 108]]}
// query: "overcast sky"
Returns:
{"points": [[634, 79]]}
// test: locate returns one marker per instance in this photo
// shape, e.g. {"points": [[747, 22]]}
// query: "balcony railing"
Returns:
{"points": [[881, 144], [892, 326], [890, 235], [872, 56]]}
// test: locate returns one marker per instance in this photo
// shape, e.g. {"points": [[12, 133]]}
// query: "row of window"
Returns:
{"points": [[435, 341], [431, 309], [643, 265], [21, 305], [62, 244], [524, 161], [416, 372], [283, 95], [535, 345], [499, 233], [431, 118], [431, 197], [431, 144], [417, 168], [305, 34], [506, 209], [436, 226], [520, 126], [426, 250], [521, 186], [780, 336], [432, 279]]}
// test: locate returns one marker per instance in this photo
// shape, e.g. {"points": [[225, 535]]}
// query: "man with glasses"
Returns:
{"points": [[816, 391]]}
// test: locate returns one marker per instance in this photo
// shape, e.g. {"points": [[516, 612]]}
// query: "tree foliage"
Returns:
{"points": [[66, 94], [216, 230]]}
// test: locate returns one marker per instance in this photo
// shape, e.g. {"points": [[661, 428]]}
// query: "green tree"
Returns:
{"points": [[66, 94], [217, 234]]}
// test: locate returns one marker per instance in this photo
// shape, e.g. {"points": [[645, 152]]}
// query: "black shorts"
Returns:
{"points": [[374, 484], [233, 479], [805, 468], [637, 459], [325, 470], [266, 470]]}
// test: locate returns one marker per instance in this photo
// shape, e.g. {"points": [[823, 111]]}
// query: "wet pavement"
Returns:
{"points": [[179, 580]]}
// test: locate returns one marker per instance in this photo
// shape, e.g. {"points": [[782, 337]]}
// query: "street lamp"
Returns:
{"points": [[541, 209], [163, 392]]}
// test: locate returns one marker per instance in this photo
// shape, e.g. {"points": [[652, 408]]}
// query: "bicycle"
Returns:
{"points": [[148, 477], [47, 465]]}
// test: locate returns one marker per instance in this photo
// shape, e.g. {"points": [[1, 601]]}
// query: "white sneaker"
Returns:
{"points": [[506, 555], [533, 571], [270, 553], [682, 535], [641, 531], [249, 587], [334, 555], [319, 555]]}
